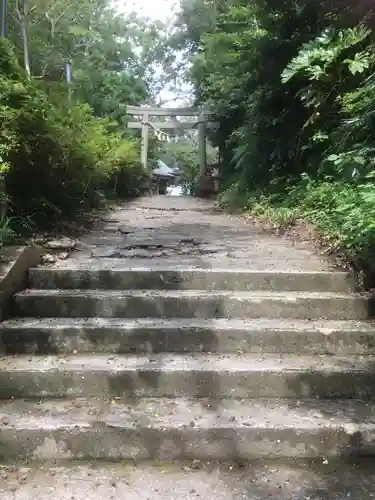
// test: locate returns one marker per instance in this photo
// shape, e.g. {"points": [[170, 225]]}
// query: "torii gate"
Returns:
{"points": [[146, 113]]}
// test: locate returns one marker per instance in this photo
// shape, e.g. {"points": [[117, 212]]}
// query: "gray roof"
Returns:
{"points": [[163, 170]]}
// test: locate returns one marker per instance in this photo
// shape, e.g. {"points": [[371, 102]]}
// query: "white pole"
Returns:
{"points": [[144, 150], [202, 144]]}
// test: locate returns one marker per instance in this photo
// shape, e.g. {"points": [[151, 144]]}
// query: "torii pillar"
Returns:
{"points": [[202, 145], [144, 143]]}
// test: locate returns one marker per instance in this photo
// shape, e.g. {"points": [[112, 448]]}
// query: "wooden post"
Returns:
{"points": [[144, 150], [202, 145]]}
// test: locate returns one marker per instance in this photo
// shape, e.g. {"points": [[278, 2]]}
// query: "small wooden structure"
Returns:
{"points": [[162, 176]]}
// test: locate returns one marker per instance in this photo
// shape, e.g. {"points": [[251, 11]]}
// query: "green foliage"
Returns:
{"points": [[56, 157], [321, 56], [63, 140], [127, 176], [111, 55], [292, 84], [343, 215], [328, 70]]}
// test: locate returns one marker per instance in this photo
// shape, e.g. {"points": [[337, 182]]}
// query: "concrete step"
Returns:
{"points": [[191, 304], [121, 335], [194, 375], [191, 480], [185, 429], [113, 274]]}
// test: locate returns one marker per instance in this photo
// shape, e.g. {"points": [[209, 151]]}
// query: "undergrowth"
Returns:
{"points": [[341, 213], [57, 160], [292, 85]]}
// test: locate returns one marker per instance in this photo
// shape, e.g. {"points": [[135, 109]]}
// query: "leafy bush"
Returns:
{"points": [[342, 213], [292, 84], [331, 71], [56, 156], [127, 176]]}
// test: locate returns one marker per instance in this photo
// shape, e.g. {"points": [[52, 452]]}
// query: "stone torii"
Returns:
{"points": [[201, 122]]}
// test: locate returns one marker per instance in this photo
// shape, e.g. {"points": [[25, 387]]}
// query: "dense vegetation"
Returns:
{"points": [[293, 85], [67, 71]]}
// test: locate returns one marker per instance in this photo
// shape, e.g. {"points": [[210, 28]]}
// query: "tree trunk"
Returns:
{"points": [[23, 26]]}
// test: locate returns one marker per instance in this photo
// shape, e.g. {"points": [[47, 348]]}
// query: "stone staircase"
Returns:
{"points": [[172, 361]]}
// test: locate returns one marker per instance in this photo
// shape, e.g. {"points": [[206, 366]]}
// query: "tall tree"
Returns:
{"points": [[111, 57]]}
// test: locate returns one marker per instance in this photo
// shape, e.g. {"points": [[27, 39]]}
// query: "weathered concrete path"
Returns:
{"points": [[180, 230], [180, 336]]}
